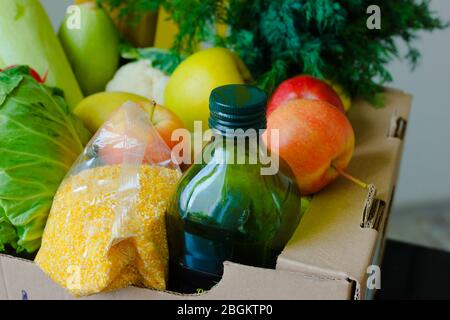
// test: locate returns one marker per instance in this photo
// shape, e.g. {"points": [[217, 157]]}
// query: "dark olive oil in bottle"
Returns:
{"points": [[226, 209]]}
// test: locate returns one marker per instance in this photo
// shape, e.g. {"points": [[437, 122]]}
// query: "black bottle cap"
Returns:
{"points": [[237, 106]]}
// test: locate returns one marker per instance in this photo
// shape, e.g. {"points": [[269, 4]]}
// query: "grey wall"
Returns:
{"points": [[425, 173], [56, 9]]}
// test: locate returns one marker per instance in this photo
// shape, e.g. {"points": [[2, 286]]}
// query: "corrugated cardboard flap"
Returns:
{"points": [[26, 281], [331, 240], [3, 288]]}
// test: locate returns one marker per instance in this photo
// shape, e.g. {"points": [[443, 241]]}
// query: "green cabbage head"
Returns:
{"points": [[39, 141]]}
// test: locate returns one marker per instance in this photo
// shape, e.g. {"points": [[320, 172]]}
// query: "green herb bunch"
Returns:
{"points": [[328, 39]]}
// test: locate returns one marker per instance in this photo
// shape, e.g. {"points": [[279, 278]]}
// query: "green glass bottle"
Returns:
{"points": [[226, 207]]}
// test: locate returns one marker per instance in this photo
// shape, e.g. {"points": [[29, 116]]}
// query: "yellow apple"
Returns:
{"points": [[187, 92], [345, 97], [97, 108]]}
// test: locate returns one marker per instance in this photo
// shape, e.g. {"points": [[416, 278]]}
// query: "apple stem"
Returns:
{"points": [[351, 178]]}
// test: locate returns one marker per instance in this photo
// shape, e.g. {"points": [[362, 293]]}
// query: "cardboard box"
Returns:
{"points": [[340, 236]]}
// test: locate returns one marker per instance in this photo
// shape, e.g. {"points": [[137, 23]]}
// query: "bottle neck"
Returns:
{"points": [[234, 147], [238, 136]]}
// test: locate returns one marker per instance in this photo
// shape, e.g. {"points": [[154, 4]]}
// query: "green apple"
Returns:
{"points": [[187, 92], [92, 47]]}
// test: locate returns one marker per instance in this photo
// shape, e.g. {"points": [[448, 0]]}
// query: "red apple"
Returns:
{"points": [[304, 87], [316, 140]]}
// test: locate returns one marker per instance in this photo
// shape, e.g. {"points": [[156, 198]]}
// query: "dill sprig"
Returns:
{"points": [[278, 39]]}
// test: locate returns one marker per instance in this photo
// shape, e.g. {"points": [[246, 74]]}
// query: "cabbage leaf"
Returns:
{"points": [[39, 141]]}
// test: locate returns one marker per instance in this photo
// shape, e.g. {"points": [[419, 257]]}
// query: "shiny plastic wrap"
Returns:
{"points": [[106, 229]]}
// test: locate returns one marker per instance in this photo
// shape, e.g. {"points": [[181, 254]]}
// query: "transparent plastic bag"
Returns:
{"points": [[106, 229]]}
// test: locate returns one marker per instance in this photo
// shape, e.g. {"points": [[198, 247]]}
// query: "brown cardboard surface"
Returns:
{"points": [[3, 288], [328, 256], [25, 280], [344, 248]]}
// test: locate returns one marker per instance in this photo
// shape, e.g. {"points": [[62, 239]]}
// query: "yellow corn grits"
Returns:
{"points": [[76, 251]]}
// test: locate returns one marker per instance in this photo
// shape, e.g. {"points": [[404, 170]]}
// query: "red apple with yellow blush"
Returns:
{"points": [[316, 140]]}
